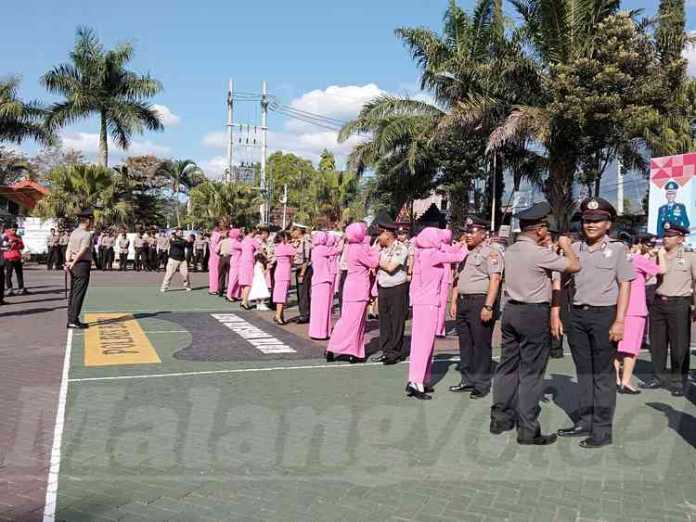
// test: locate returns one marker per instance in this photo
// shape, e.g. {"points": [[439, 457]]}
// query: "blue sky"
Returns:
{"points": [[324, 56]]}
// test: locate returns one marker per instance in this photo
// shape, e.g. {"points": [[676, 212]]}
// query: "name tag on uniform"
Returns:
{"points": [[607, 253]]}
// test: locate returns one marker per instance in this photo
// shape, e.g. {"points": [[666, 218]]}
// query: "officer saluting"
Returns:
{"points": [[474, 294], [78, 263], [670, 314], [602, 290], [527, 318]]}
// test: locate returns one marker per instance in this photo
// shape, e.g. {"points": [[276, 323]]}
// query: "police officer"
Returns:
{"points": [[672, 212], [200, 245], [526, 324], [3, 246], [78, 263], [63, 246], [393, 293], [595, 326], [162, 251], [303, 270], [123, 245], [672, 312], [53, 249], [107, 250], [474, 294], [139, 245]]}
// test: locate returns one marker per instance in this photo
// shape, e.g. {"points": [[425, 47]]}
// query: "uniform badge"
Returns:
{"points": [[469, 221], [593, 205], [667, 226]]}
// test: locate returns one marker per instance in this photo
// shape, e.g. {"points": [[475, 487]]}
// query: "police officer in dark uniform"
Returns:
{"points": [[78, 263], [526, 326], [474, 295], [672, 312], [602, 289]]}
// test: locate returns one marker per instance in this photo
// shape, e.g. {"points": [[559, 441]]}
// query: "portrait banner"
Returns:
{"points": [[672, 197]]}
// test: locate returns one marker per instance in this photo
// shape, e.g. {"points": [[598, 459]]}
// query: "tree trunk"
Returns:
{"points": [[103, 145], [597, 184], [176, 204], [559, 191]]}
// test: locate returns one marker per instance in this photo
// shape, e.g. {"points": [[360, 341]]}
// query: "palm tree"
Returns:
{"points": [[184, 175], [20, 120], [97, 82], [212, 200], [75, 187]]}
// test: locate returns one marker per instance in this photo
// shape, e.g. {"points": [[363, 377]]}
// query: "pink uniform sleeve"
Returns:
{"points": [[369, 258], [645, 265], [457, 255]]}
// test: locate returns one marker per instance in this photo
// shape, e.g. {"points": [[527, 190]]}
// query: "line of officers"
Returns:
{"points": [[601, 273], [149, 246]]}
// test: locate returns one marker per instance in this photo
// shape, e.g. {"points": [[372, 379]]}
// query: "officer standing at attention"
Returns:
{"points": [[671, 314], [78, 263], [602, 291], [123, 245], [474, 294], [53, 249], [303, 270], [526, 326]]}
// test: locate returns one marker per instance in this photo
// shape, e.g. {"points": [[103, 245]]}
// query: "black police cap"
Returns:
{"points": [[383, 220], [675, 229], [475, 222], [534, 215], [86, 213], [598, 209]]}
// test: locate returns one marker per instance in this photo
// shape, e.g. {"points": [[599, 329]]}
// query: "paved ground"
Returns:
{"points": [[224, 427]]}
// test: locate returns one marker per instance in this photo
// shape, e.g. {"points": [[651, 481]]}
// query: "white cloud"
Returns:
{"points": [[215, 167], [88, 144], [168, 118], [337, 101]]}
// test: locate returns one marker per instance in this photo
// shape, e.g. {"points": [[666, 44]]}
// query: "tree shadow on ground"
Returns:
{"points": [[30, 311], [681, 422]]}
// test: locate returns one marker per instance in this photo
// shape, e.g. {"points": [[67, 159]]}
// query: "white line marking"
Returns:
{"points": [[54, 468], [262, 341]]}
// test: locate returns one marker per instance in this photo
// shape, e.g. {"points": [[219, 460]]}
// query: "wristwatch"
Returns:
{"points": [[488, 307]]}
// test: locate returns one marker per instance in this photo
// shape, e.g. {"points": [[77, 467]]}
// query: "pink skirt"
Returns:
{"points": [[246, 275], [320, 311], [280, 292], [348, 337], [632, 341]]}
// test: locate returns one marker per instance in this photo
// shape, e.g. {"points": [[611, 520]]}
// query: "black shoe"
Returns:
{"points": [[329, 356], [23, 291], [498, 427], [76, 326], [9, 293], [302, 320], [414, 392], [476, 394], [388, 361], [461, 387], [677, 392], [378, 357], [591, 443], [539, 440], [625, 390], [575, 431], [428, 388], [652, 384], [352, 359], [279, 322], [245, 307]]}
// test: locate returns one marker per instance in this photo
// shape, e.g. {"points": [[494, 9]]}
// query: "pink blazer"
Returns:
{"points": [[215, 237], [321, 264], [249, 248], [426, 284], [236, 251], [284, 254]]}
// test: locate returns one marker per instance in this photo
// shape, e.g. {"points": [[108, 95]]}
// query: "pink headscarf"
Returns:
{"points": [[234, 233], [330, 240], [355, 232], [430, 237], [319, 238]]}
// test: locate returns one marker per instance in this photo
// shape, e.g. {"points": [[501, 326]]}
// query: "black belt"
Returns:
{"points": [[519, 303], [471, 296], [672, 297], [590, 307]]}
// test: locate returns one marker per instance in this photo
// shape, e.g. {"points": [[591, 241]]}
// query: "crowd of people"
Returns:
{"points": [[608, 295]]}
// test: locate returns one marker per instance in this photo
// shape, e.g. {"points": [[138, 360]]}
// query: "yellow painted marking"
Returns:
{"points": [[117, 338]]}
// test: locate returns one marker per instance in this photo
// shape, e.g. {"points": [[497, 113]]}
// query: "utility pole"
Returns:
{"points": [[230, 103], [619, 189], [264, 130], [285, 204]]}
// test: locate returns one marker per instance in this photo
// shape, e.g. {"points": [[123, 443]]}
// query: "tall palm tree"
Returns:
{"points": [[20, 120], [184, 175], [97, 82], [212, 200]]}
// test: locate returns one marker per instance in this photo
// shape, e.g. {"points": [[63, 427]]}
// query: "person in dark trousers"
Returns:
{"points": [[3, 247], [106, 251], [189, 250], [596, 324], [224, 250], [96, 242], [139, 248], [303, 270], [62, 247], [474, 295], [123, 245], [53, 250], [13, 260], [671, 314], [200, 246], [393, 289], [78, 263], [526, 325]]}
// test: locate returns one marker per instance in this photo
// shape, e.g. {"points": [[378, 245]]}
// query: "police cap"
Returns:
{"points": [[473, 223], [671, 185], [534, 216], [675, 229], [646, 237], [386, 222], [85, 213], [597, 209]]}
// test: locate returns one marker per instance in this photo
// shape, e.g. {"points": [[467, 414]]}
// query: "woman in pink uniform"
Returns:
{"points": [[634, 325], [446, 235], [250, 245], [331, 242], [284, 253], [214, 261], [426, 286], [348, 336], [320, 304], [234, 291]]}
